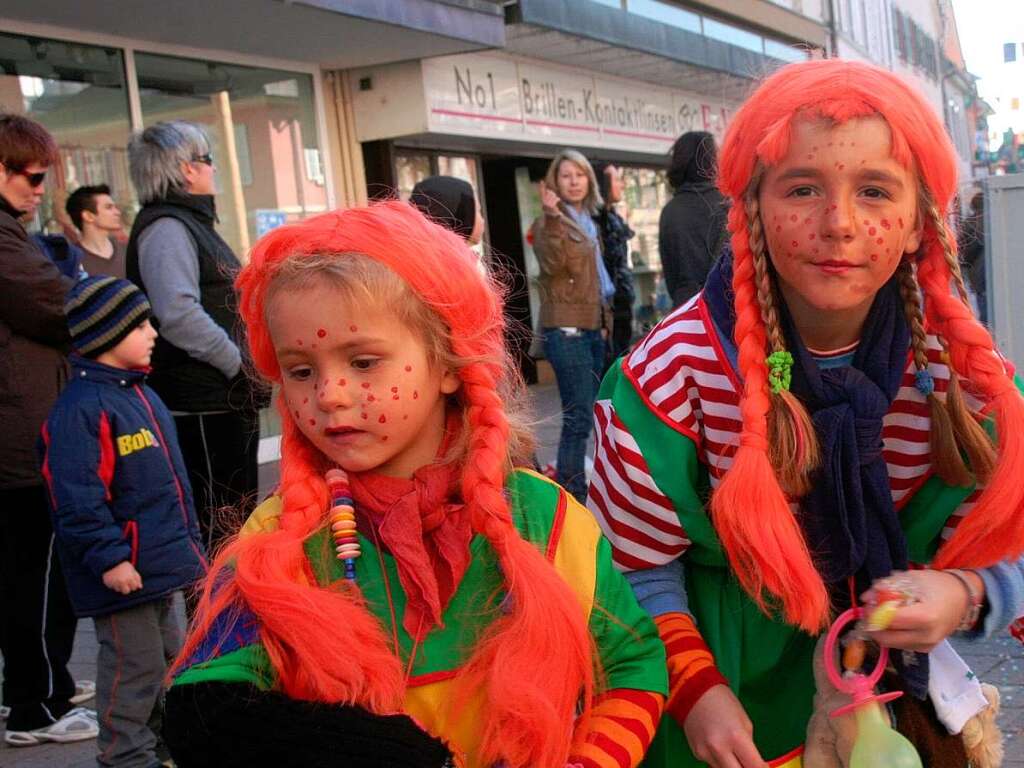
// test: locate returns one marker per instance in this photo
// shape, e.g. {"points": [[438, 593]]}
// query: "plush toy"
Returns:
{"points": [[830, 740]]}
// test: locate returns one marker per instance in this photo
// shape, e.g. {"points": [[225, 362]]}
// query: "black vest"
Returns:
{"points": [[184, 383]]}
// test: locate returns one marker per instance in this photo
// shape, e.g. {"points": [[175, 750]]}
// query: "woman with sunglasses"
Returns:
{"points": [[177, 257], [37, 627]]}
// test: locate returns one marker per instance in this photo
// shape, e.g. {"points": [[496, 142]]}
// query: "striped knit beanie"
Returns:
{"points": [[101, 311]]}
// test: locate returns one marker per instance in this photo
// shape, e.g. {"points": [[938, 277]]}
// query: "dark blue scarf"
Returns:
{"points": [[848, 518]]}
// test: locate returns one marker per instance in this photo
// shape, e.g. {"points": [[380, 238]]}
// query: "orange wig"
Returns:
{"points": [[535, 661], [750, 509]]}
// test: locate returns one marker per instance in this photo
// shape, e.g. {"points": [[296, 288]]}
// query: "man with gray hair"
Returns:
{"points": [[176, 256]]}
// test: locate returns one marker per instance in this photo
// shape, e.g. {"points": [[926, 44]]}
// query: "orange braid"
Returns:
{"points": [[765, 545], [525, 693], [267, 573], [995, 528]]}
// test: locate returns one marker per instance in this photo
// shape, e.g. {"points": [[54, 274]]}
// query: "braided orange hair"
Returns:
{"points": [[750, 509], [535, 661]]}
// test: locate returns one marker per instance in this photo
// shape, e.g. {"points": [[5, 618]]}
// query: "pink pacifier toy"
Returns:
{"points": [[877, 745]]}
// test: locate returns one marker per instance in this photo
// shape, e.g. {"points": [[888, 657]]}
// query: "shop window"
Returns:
{"points": [[646, 193], [409, 171], [727, 33], [666, 13], [78, 92], [269, 114], [784, 52]]}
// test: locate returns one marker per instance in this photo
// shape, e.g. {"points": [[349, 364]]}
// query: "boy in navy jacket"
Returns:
{"points": [[122, 507]]}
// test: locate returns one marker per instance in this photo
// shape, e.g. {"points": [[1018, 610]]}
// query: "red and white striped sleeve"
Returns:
{"points": [[637, 518]]}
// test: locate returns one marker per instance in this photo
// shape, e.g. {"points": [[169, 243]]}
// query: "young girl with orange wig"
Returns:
{"points": [[816, 419], [406, 597]]}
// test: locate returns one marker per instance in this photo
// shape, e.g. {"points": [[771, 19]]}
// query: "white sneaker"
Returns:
{"points": [[77, 725], [84, 690]]}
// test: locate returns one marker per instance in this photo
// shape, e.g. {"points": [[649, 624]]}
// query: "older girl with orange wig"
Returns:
{"points": [[406, 597], [816, 419]]}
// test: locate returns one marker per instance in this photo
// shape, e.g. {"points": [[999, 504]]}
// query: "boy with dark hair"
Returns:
{"points": [[96, 215], [122, 508]]}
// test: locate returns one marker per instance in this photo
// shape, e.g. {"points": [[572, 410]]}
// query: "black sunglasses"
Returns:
{"points": [[206, 159], [34, 179]]}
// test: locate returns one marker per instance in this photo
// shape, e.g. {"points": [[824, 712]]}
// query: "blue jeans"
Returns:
{"points": [[578, 360]]}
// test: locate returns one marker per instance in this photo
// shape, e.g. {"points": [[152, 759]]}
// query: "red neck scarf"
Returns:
{"points": [[425, 526]]}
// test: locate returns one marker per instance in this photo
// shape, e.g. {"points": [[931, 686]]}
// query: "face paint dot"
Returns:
{"points": [[370, 398], [833, 207], [321, 333], [365, 385], [874, 257], [298, 415], [810, 157], [384, 439], [405, 418], [394, 397], [312, 422], [811, 236], [814, 251], [900, 222], [342, 382], [408, 369], [778, 228], [807, 220], [794, 217], [364, 416], [840, 166], [872, 231], [313, 345], [305, 400], [415, 395], [394, 389], [299, 342], [885, 224], [795, 244], [879, 241], [383, 419], [353, 328]]}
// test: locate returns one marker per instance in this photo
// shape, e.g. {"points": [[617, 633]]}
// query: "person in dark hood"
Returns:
{"points": [[452, 203], [691, 231]]}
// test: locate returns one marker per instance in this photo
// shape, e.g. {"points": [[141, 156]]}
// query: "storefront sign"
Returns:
{"points": [[488, 95]]}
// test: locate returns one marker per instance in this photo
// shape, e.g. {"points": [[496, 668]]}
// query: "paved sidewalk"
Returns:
{"points": [[999, 661]]}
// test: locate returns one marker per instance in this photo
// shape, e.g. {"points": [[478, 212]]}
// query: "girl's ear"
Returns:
{"points": [[916, 235], [450, 383]]}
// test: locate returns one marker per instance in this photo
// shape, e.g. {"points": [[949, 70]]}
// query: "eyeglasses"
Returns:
{"points": [[206, 159], [34, 179]]}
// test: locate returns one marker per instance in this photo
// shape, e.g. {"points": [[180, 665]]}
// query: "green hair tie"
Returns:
{"points": [[780, 367]]}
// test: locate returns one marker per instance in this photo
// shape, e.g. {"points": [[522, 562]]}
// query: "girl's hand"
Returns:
{"points": [[941, 603], [548, 198], [720, 733]]}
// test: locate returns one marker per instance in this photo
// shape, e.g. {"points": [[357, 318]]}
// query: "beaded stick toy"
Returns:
{"points": [[343, 521]]}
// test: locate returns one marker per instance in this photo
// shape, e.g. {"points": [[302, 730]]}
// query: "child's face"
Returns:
{"points": [[358, 381], [838, 213], [135, 350]]}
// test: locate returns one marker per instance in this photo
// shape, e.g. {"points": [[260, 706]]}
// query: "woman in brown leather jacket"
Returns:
{"points": [[574, 289]]}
